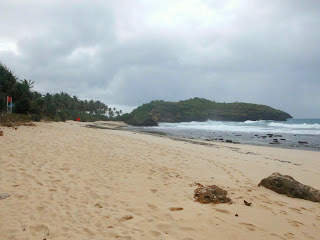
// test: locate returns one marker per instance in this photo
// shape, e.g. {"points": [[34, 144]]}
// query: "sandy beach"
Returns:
{"points": [[68, 181]]}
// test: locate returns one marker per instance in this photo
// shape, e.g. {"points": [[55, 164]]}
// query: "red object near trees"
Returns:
{"points": [[9, 99], [78, 119]]}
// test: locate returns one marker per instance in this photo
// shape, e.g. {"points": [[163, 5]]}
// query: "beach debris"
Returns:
{"points": [[282, 139], [302, 142], [236, 215], [1, 133], [211, 194], [4, 195], [229, 141], [247, 203], [287, 185]]}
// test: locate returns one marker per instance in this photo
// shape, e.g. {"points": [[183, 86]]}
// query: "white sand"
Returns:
{"points": [[70, 182]]}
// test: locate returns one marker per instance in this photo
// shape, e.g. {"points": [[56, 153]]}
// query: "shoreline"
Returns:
{"points": [[69, 181], [124, 127]]}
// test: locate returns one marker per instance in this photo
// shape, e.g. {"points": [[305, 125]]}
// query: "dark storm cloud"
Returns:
{"points": [[132, 52]]}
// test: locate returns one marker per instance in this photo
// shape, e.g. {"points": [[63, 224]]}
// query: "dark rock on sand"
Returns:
{"points": [[211, 194], [221, 139], [301, 142], [282, 139], [287, 185], [229, 141], [247, 203]]}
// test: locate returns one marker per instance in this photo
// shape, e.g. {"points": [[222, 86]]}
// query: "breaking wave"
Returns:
{"points": [[292, 126]]}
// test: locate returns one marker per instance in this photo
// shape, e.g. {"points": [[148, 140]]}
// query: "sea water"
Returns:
{"points": [[293, 133]]}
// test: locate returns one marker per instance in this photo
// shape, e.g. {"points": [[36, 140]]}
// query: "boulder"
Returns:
{"points": [[146, 123], [287, 185], [211, 194]]}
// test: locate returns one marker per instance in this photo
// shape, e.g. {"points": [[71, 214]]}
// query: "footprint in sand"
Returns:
{"points": [[155, 233], [125, 218], [152, 207], [97, 205], [175, 209], [40, 230], [222, 211], [250, 226], [295, 223], [289, 235]]}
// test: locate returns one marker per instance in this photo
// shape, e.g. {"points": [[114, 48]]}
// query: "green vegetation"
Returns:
{"points": [[200, 109], [55, 107]]}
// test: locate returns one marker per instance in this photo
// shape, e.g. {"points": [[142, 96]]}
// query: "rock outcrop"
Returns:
{"points": [[211, 194], [287, 185], [146, 123], [200, 109]]}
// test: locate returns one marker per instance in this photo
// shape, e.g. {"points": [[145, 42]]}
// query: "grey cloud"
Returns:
{"points": [[132, 52]]}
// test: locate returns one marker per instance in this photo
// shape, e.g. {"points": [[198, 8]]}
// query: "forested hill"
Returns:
{"points": [[56, 107], [200, 109]]}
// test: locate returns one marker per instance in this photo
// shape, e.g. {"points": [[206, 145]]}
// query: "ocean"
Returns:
{"points": [[294, 133]]}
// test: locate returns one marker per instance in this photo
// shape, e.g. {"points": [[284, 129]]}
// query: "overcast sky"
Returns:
{"points": [[129, 52]]}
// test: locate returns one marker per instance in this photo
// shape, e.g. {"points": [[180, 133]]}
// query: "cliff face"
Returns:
{"points": [[199, 109]]}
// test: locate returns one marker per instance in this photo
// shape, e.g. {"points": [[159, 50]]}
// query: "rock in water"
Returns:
{"points": [[285, 184], [211, 194]]}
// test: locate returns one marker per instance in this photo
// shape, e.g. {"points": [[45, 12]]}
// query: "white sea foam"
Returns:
{"points": [[295, 126], [261, 126]]}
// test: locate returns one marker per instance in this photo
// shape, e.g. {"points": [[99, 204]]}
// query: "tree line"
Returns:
{"points": [[56, 107]]}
